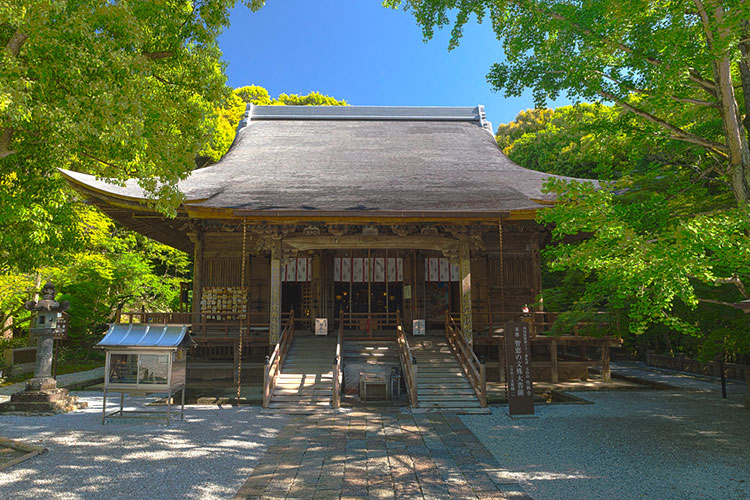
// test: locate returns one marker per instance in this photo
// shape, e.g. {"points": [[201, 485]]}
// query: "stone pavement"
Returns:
{"points": [[382, 454]]}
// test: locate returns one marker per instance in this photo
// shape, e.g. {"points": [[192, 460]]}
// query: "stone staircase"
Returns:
{"points": [[367, 356], [441, 384], [305, 383]]}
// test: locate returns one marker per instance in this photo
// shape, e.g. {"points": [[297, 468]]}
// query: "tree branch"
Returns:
{"points": [[16, 42], [155, 56], [736, 281], [687, 100], [677, 132], [706, 84], [720, 302], [5, 138], [103, 162]]}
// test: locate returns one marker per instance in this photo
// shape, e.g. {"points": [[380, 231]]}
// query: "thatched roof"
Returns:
{"points": [[320, 160]]}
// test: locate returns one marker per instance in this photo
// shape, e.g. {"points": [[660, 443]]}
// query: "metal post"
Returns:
{"points": [[182, 409], [483, 380], [265, 381], [122, 402]]}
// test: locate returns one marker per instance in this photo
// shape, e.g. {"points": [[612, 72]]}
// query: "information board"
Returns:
{"points": [[518, 362], [61, 332]]}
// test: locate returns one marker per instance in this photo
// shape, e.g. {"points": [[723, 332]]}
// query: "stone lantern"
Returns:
{"points": [[42, 394]]}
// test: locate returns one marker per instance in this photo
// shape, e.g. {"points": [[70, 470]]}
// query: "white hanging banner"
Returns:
{"points": [[358, 269], [362, 269], [445, 270], [337, 269], [440, 269], [454, 271], [346, 269], [379, 274], [296, 270]]}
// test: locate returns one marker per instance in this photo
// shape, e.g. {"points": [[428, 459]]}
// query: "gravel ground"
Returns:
{"points": [[208, 456], [655, 444]]}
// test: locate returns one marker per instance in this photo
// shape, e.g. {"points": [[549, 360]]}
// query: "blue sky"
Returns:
{"points": [[362, 52]]}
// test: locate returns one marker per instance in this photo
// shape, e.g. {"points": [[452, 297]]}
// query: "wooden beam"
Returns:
{"points": [[197, 237], [349, 241], [274, 327]]}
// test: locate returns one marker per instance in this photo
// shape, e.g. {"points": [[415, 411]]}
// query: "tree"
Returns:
{"points": [[660, 61], [600, 142], [118, 89]]}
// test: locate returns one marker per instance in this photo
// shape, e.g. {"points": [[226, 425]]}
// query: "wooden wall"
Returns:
{"points": [[520, 285]]}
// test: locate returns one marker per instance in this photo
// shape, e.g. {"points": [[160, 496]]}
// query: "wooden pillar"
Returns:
{"points": [[464, 266], [197, 238], [554, 367], [274, 322], [501, 357], [606, 372], [316, 292]]}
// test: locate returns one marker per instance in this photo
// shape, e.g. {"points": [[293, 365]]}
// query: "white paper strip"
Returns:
{"points": [[346, 269], [454, 271], [358, 270], [445, 270]]}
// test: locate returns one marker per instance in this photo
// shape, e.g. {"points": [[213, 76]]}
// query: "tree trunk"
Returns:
{"points": [[738, 153], [744, 65]]}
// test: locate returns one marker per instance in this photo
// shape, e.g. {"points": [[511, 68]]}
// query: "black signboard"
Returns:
{"points": [[61, 332], [518, 361]]}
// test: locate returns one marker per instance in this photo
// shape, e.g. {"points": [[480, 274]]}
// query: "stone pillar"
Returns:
{"points": [[274, 326], [464, 267]]}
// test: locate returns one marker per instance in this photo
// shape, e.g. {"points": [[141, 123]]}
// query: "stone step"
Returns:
{"points": [[447, 396], [456, 404], [288, 404]]}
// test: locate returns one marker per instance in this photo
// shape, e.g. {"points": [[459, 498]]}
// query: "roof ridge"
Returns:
{"points": [[366, 113]]}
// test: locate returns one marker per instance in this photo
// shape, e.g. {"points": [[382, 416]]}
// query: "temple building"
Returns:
{"points": [[367, 217]]}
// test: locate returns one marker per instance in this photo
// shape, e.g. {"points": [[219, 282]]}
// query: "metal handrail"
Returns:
{"points": [[408, 363], [472, 368], [275, 361], [338, 365]]}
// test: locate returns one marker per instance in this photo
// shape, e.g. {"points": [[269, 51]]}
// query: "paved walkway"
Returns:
{"points": [[381, 454]]}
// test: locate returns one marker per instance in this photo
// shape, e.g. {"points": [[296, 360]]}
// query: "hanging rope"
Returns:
{"points": [[502, 273], [243, 313]]}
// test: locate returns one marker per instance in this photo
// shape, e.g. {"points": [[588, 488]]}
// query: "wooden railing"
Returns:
{"points": [[338, 365], [408, 363], [369, 322], [275, 361], [540, 322], [472, 368], [205, 326]]}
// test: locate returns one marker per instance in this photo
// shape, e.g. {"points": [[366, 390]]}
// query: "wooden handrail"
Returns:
{"points": [[472, 368], [273, 365], [408, 363], [338, 365]]}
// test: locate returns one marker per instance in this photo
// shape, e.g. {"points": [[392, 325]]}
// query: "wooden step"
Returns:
{"points": [[302, 398]]}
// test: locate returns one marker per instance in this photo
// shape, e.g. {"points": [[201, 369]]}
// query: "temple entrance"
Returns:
{"points": [[368, 287], [375, 298]]}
